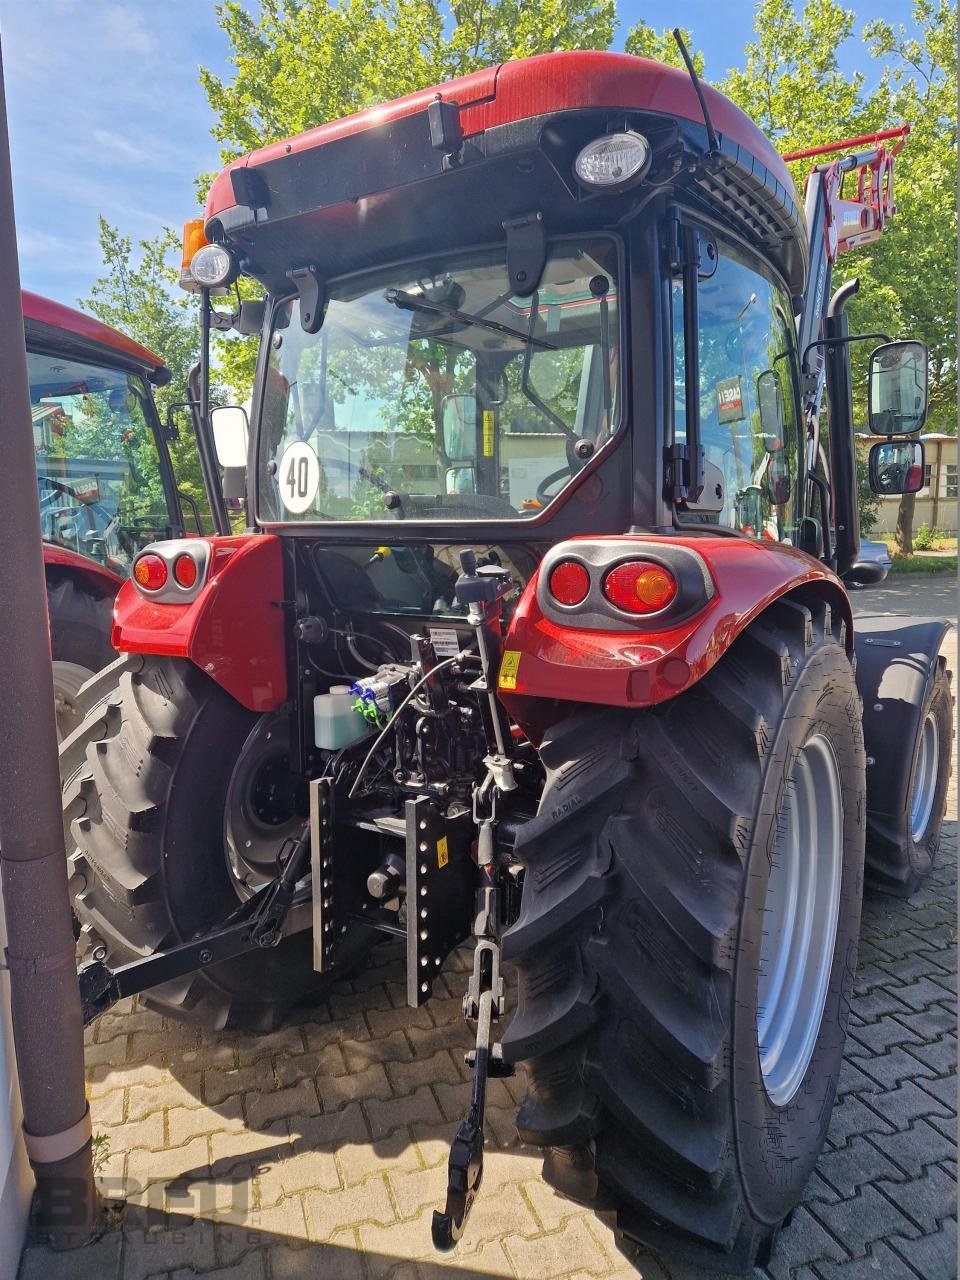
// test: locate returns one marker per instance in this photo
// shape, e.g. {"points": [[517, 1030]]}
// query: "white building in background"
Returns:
{"points": [[937, 500]]}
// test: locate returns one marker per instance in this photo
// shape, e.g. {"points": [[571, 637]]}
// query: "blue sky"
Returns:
{"points": [[106, 113]]}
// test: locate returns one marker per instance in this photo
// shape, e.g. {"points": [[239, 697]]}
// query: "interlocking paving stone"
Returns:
{"points": [[934, 1257], [927, 1200], [880, 1263]]}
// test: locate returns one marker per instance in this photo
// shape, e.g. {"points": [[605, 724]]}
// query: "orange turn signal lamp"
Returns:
{"points": [[193, 239], [150, 572], [640, 587]]}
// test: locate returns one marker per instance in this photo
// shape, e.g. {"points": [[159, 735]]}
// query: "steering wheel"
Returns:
{"points": [[574, 465], [58, 487], [890, 477], [544, 497]]}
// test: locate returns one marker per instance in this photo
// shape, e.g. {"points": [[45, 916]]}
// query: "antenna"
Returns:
{"points": [[692, 72]]}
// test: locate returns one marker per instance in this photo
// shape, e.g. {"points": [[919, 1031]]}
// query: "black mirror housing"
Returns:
{"points": [[896, 466]]}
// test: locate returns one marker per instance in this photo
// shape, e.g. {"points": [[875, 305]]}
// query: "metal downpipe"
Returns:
{"points": [[44, 996]]}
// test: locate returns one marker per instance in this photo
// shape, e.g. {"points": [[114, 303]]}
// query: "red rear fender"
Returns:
{"points": [[641, 664], [232, 630]]}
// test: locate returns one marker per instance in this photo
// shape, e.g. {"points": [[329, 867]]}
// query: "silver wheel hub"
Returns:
{"points": [[925, 777], [800, 920]]}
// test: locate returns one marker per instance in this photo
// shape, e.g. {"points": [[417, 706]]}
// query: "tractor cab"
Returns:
{"points": [[479, 307]]}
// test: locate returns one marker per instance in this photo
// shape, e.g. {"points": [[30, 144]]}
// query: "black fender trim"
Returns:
{"points": [[896, 660]]}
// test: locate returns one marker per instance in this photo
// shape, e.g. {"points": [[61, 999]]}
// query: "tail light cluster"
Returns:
{"points": [[172, 572], [613, 584]]}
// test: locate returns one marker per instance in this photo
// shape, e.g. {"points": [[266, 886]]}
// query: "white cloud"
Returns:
{"points": [[121, 146], [125, 32]]}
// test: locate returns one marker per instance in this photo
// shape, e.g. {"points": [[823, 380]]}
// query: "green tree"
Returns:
{"points": [[660, 46], [300, 63], [139, 294]]}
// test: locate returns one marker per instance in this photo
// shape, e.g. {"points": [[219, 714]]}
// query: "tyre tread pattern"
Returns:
{"points": [[626, 942]]}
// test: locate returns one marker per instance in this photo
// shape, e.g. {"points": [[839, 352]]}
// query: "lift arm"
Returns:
{"points": [[840, 219]]}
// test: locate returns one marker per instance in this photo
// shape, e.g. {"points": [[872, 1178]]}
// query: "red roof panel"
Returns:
{"points": [[547, 83], [57, 316]]}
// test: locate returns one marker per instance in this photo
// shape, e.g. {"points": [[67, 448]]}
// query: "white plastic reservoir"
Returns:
{"points": [[335, 723]]}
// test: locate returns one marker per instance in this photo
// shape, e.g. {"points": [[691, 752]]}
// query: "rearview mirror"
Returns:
{"points": [[230, 435], [897, 398], [770, 399], [460, 428], [896, 466]]}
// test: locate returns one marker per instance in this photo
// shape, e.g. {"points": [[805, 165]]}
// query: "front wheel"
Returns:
{"points": [[902, 847], [687, 943]]}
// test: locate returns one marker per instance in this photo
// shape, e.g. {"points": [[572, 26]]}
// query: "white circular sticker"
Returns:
{"points": [[298, 476]]}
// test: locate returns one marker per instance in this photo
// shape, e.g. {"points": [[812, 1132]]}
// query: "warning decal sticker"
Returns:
{"points": [[509, 668]]}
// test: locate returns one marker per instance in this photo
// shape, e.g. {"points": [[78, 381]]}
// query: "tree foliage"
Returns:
{"points": [[139, 295], [300, 63]]}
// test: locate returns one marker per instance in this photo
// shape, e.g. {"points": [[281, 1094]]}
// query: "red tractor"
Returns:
{"points": [[538, 632], [107, 487]]}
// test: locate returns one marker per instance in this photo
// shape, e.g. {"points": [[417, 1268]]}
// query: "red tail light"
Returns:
{"points": [[914, 479], [185, 570], [569, 583], [150, 572], [640, 587]]}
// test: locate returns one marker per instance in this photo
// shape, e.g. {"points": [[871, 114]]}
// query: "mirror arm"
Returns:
{"points": [[841, 342], [194, 506], [198, 386]]}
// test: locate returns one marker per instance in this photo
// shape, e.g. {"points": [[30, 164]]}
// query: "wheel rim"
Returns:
{"points": [[925, 777], [800, 920], [68, 679], [263, 806]]}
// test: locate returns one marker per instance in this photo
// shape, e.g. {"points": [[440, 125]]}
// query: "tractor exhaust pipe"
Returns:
{"points": [[40, 954], [843, 457]]}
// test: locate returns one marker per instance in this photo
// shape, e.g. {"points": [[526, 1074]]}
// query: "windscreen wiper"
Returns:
{"points": [[410, 302]]}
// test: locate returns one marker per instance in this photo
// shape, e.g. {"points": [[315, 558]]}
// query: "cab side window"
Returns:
{"points": [[747, 406]]}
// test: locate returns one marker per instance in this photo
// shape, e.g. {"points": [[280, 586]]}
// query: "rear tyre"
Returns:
{"points": [[901, 850], [687, 942], [146, 780], [80, 645]]}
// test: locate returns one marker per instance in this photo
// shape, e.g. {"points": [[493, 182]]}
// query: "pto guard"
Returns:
{"points": [[232, 630], [555, 659]]}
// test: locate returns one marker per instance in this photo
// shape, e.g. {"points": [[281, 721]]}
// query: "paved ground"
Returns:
{"points": [[319, 1151]]}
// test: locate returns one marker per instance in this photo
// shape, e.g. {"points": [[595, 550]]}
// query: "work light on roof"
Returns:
{"points": [[213, 266], [613, 162]]}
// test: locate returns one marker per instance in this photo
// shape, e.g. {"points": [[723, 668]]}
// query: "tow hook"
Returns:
{"points": [[483, 1003]]}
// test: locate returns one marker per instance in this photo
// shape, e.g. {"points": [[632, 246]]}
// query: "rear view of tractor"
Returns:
{"points": [[538, 633]]}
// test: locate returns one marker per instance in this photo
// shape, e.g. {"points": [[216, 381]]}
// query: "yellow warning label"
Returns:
{"points": [[509, 668], [488, 430], [443, 856]]}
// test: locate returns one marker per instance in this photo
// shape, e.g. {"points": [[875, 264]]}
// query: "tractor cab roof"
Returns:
{"points": [[52, 324], [382, 184]]}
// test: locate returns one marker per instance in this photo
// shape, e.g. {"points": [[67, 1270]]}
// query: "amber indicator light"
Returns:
{"points": [[640, 587]]}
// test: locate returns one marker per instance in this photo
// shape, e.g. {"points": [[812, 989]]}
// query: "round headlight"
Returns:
{"points": [[212, 266], [613, 162]]}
